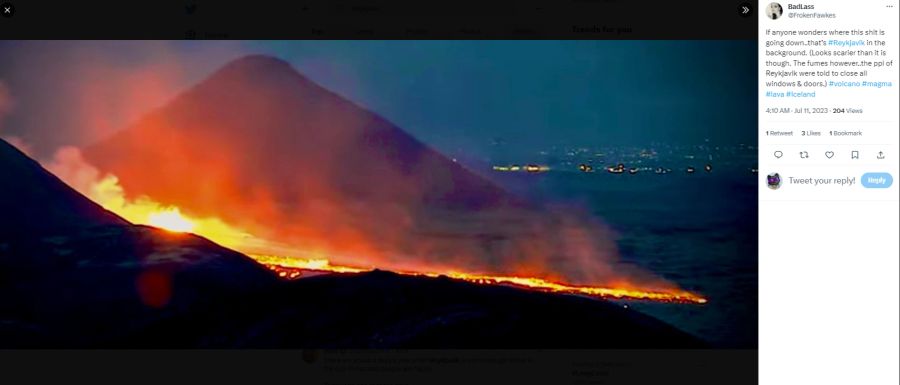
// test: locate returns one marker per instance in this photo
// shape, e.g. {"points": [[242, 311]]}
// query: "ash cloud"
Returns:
{"points": [[266, 149], [74, 93], [269, 151], [6, 107]]}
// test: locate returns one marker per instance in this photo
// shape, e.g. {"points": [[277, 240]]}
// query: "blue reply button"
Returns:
{"points": [[877, 180]]}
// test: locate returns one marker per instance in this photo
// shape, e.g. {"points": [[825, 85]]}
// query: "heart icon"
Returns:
{"points": [[778, 154], [829, 154]]}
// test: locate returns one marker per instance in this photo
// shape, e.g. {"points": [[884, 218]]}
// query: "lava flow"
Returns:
{"points": [[108, 193], [170, 218], [292, 268]]}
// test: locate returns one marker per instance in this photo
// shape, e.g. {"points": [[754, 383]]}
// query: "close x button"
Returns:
{"points": [[7, 10]]}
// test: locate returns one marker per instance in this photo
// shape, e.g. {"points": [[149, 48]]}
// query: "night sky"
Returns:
{"points": [[451, 94]]}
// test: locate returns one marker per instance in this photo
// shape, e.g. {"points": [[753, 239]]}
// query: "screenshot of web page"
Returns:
{"points": [[359, 192], [828, 135]]}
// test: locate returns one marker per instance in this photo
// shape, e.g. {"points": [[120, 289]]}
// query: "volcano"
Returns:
{"points": [[74, 275], [267, 150], [257, 123]]}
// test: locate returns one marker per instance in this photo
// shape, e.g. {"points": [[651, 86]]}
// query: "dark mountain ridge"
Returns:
{"points": [[84, 278]]}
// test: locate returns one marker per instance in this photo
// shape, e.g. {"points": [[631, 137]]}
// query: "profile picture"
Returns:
{"points": [[774, 11], [773, 180], [310, 356]]}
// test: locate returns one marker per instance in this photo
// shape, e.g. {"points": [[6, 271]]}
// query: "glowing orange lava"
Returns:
{"points": [[171, 220], [108, 193], [290, 268]]}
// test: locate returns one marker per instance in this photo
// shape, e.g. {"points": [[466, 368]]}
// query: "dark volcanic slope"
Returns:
{"points": [[383, 309], [74, 274], [85, 278], [34, 200]]}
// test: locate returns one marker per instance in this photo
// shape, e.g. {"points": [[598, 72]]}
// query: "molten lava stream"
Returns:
{"points": [[143, 210], [292, 268]]}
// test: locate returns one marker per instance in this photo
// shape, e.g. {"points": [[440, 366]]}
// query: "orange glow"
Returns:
{"points": [[318, 264], [260, 159], [289, 268], [171, 220], [145, 211], [289, 260], [69, 166]]}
